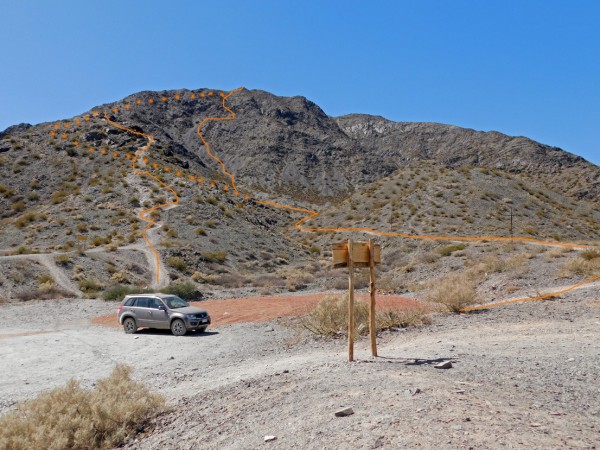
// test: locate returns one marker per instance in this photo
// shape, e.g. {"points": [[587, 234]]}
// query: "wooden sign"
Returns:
{"points": [[360, 254]]}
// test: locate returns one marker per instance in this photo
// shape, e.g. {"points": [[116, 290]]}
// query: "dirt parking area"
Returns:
{"points": [[523, 376], [263, 309]]}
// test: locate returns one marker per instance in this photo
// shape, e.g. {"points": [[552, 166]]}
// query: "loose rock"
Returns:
{"points": [[443, 365], [344, 412]]}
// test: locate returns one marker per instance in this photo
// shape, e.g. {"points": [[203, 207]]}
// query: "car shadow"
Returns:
{"points": [[159, 332]]}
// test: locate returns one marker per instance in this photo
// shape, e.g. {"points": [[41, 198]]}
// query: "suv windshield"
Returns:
{"points": [[175, 302]]}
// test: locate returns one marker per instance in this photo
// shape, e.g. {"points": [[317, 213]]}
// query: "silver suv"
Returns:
{"points": [[161, 311]]}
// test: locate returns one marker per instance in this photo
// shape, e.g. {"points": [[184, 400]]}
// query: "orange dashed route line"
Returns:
{"points": [[231, 116], [143, 212], [310, 214]]}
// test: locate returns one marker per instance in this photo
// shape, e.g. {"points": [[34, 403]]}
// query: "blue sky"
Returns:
{"points": [[528, 67]]}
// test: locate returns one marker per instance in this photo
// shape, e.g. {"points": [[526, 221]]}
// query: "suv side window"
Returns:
{"points": [[130, 301], [142, 302], [154, 303]]}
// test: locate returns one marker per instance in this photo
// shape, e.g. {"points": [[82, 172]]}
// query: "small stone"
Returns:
{"points": [[443, 365], [172, 357], [286, 371], [344, 412], [270, 438]]}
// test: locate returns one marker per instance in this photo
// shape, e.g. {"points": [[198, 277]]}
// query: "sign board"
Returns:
{"points": [[360, 254]]}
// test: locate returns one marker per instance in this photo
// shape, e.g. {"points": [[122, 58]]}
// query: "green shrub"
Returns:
{"points": [[177, 263], [186, 291], [89, 285], [449, 249], [215, 257], [71, 417], [62, 260], [118, 292]]}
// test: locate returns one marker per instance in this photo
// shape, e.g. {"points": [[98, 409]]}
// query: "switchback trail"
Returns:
{"points": [[311, 214], [142, 214]]}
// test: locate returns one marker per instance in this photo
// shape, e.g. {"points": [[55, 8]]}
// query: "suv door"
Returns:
{"points": [[140, 309], [156, 317]]}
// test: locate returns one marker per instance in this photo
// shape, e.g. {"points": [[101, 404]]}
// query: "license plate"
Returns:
{"points": [[204, 320]]}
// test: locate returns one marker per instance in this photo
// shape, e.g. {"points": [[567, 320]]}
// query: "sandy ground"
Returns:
{"points": [[523, 376]]}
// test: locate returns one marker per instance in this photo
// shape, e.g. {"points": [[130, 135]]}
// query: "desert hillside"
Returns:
{"points": [[206, 168]]}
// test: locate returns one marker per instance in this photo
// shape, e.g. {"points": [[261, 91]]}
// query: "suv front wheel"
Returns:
{"points": [[178, 327]]}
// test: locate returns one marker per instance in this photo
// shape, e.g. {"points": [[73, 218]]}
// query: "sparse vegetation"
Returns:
{"points": [[455, 291], [177, 263], [329, 317], [71, 417], [214, 257]]}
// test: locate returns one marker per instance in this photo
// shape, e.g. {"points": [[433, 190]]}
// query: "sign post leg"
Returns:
{"points": [[350, 304], [372, 329]]}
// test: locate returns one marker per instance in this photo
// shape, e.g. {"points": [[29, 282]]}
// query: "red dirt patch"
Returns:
{"points": [[263, 309]]}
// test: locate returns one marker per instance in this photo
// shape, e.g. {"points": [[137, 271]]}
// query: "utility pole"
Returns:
{"points": [[511, 223]]}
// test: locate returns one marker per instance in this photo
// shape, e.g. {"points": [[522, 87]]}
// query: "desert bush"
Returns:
{"points": [[215, 257], [330, 317], [71, 417], [200, 231], [58, 197], [89, 285], [580, 266], [455, 291], [43, 294], [201, 277], [231, 280], [494, 264], [267, 280], [590, 254], [447, 250], [118, 292], [185, 290], [177, 263]]}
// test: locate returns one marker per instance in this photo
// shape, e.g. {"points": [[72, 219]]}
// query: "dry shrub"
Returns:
{"points": [[44, 293], [590, 254], [70, 417], [231, 280], [494, 264], [201, 277], [267, 281], [330, 317], [580, 266], [455, 291]]}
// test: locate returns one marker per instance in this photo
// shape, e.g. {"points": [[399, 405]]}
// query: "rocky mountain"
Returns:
{"points": [[68, 189]]}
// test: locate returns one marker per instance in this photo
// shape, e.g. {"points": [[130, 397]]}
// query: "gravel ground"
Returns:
{"points": [[523, 376]]}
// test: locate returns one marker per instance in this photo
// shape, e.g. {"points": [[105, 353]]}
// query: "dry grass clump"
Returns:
{"points": [[455, 291], [580, 266], [44, 293], [70, 417], [330, 317]]}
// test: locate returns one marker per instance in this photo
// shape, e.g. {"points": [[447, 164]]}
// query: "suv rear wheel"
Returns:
{"points": [[178, 327], [129, 325]]}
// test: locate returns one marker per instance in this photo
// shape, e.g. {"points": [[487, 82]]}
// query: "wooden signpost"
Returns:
{"points": [[358, 254]]}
